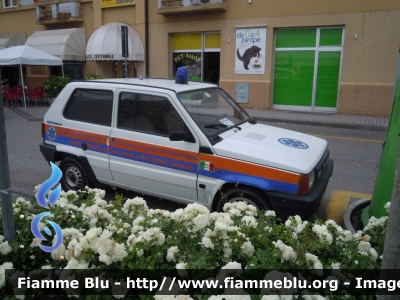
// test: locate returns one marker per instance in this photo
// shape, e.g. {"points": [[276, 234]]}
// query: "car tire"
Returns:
{"points": [[73, 175], [245, 194]]}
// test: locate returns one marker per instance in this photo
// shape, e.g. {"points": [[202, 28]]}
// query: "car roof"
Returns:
{"points": [[159, 83]]}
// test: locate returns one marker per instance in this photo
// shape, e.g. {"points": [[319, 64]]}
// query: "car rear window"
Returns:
{"points": [[90, 105]]}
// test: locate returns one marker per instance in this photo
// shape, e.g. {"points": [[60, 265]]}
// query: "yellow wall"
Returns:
{"points": [[368, 65]]}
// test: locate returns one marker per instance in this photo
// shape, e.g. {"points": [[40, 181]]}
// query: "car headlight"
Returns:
{"points": [[311, 180]]}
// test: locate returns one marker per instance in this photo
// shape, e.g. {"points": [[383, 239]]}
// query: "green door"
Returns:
{"points": [[307, 68], [327, 79]]}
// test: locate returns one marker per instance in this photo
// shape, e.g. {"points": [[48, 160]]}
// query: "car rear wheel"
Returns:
{"points": [[73, 175], [245, 194]]}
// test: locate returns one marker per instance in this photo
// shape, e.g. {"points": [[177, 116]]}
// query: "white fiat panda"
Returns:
{"points": [[186, 142]]}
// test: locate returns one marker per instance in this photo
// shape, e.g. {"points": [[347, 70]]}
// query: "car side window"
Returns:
{"points": [[148, 113], [89, 105]]}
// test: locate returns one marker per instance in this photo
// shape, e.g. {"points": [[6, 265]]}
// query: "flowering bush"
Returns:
{"points": [[94, 77], [126, 234], [54, 85]]}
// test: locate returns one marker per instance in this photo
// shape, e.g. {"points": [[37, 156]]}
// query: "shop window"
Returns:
{"points": [[199, 53], [294, 38], [9, 3], [307, 68], [331, 37], [73, 70]]}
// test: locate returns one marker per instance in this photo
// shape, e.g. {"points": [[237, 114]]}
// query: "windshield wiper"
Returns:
{"points": [[215, 125]]}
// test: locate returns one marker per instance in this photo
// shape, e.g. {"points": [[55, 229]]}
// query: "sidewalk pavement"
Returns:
{"points": [[33, 113], [321, 119]]}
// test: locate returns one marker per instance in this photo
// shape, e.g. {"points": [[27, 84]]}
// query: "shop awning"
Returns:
{"points": [[106, 44], [67, 44], [12, 39]]}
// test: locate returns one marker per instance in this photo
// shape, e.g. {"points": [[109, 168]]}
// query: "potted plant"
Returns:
{"points": [[67, 15], [54, 85], [60, 16], [49, 17]]}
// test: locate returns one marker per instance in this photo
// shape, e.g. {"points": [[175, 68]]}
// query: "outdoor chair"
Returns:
{"points": [[10, 95], [19, 92], [36, 94]]}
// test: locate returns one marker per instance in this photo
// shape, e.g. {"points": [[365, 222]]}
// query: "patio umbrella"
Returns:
{"points": [[26, 55]]}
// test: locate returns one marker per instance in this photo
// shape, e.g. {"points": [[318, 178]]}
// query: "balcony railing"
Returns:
{"points": [[50, 12], [166, 7]]}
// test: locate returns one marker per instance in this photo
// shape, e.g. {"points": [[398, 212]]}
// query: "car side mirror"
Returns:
{"points": [[181, 136]]}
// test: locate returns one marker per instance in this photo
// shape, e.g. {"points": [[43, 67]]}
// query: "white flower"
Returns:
{"points": [[323, 233], [268, 229], [364, 246], [270, 213], [206, 242], [171, 253], [5, 248], [139, 252], [373, 254], [118, 252], [200, 221], [250, 221], [311, 257], [93, 233], [177, 215], [387, 206], [227, 252], [336, 265], [247, 249], [107, 259]]}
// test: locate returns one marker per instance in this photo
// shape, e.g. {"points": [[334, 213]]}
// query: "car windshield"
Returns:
{"points": [[213, 110]]}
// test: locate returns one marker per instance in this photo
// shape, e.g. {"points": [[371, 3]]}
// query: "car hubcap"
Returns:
{"points": [[73, 177]]}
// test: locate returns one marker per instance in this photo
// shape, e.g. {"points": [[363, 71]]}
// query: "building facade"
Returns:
{"points": [[309, 55]]}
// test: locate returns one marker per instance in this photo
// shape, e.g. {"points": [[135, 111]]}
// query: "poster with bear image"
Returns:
{"points": [[250, 50]]}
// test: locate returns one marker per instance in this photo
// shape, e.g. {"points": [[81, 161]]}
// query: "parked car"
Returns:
{"points": [[182, 142]]}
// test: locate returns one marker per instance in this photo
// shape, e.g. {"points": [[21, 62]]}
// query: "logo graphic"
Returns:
{"points": [[293, 143], [52, 199], [51, 133]]}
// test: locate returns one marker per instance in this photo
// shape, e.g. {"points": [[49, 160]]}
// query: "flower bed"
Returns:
{"points": [[126, 234]]}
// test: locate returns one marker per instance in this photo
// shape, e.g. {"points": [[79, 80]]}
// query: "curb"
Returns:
{"points": [[349, 212], [323, 123]]}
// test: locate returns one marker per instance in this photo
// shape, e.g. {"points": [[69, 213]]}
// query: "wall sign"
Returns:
{"points": [[37, 70], [113, 3], [250, 50], [242, 92]]}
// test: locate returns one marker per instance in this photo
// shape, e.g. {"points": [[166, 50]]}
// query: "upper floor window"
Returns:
{"points": [[9, 3], [24, 2]]}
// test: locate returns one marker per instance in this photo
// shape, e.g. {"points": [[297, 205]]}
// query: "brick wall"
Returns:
{"points": [[259, 92], [365, 99]]}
